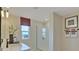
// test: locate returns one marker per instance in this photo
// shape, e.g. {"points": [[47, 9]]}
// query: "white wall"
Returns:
{"points": [[50, 25], [57, 32], [54, 25], [57, 39], [70, 44]]}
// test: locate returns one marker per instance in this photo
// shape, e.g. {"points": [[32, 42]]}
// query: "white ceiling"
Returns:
{"points": [[41, 13]]}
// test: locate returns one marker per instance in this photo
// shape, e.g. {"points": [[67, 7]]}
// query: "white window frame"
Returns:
{"points": [[25, 31]]}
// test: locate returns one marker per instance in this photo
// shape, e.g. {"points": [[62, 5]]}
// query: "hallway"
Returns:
{"points": [[39, 29]]}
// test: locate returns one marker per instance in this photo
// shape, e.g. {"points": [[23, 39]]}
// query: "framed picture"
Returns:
{"points": [[71, 22]]}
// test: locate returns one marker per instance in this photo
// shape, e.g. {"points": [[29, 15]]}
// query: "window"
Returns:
{"points": [[43, 33], [25, 31]]}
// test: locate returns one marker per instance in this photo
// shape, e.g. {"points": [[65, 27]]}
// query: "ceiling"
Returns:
{"points": [[41, 13]]}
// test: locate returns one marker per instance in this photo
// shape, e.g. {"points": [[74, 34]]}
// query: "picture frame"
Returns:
{"points": [[71, 22]]}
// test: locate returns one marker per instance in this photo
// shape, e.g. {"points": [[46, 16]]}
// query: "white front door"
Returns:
{"points": [[42, 38]]}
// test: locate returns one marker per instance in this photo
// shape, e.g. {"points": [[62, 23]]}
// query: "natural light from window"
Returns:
{"points": [[25, 31]]}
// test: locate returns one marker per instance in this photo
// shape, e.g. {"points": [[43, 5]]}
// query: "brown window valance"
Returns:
{"points": [[25, 21]]}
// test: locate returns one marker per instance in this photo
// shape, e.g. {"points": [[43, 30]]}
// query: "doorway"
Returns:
{"points": [[42, 38]]}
